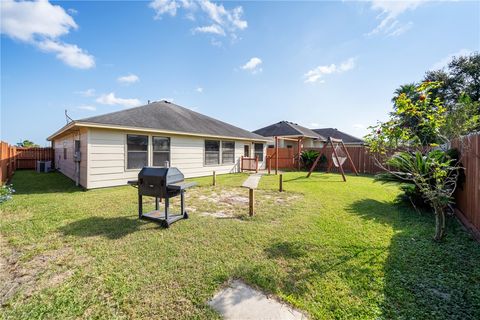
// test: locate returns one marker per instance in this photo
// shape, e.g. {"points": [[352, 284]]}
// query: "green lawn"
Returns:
{"points": [[334, 250]]}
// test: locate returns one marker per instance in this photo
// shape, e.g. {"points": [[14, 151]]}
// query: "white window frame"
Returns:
{"points": [[169, 149], [221, 150], [126, 150]]}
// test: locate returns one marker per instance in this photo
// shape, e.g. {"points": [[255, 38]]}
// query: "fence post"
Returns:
{"points": [[280, 183], [241, 164], [251, 202], [214, 182], [256, 164]]}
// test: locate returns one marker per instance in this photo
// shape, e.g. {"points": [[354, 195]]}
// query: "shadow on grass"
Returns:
{"points": [[424, 279], [31, 182], [319, 176], [412, 278], [111, 228]]}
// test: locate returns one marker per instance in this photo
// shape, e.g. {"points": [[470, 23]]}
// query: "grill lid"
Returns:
{"points": [[165, 175]]}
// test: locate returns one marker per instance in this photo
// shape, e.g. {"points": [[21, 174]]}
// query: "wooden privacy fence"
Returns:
{"points": [[249, 164], [27, 157], [468, 194], [288, 158], [13, 158], [7, 161]]}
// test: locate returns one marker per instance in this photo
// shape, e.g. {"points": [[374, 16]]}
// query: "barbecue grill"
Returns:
{"points": [[161, 183]]}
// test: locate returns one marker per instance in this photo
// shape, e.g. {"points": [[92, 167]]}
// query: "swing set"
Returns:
{"points": [[339, 156]]}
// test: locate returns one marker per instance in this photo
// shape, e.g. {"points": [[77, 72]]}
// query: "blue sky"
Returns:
{"points": [[319, 64]]}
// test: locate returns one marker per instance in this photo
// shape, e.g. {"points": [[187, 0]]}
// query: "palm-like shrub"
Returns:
{"points": [[433, 174], [308, 158]]}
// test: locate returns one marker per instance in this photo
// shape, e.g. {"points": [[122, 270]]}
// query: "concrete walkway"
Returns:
{"points": [[252, 181], [241, 302]]}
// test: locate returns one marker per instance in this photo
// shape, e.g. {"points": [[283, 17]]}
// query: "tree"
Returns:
{"points": [[27, 144], [416, 126], [462, 76], [434, 174], [413, 123], [409, 89]]}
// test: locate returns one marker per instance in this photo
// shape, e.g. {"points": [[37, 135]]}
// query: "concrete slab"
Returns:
{"points": [[241, 302], [252, 181]]}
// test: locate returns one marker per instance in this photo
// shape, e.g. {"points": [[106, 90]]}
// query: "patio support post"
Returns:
{"points": [[276, 155], [214, 182], [299, 151]]}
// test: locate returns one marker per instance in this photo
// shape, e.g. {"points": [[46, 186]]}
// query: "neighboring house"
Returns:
{"points": [[288, 132], [337, 134], [115, 146]]}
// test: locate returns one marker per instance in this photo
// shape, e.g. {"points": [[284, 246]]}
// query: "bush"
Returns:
{"points": [[6, 192], [308, 157], [432, 175]]}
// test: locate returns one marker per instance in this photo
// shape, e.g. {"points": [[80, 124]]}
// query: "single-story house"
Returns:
{"points": [[288, 134], [110, 149], [347, 139]]}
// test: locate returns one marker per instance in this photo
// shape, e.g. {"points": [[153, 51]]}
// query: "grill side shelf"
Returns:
{"points": [[181, 185]]}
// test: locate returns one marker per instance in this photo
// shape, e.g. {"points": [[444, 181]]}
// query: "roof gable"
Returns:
{"points": [[164, 115], [337, 134], [286, 128]]}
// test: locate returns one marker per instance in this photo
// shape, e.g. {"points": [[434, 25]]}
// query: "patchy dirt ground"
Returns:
{"points": [[229, 202], [46, 270]]}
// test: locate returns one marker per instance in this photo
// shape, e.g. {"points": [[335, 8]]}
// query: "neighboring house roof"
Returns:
{"points": [[286, 128], [337, 134], [165, 116]]}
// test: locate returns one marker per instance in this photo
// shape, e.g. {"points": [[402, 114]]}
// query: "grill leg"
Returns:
{"points": [[167, 204], [182, 204], [140, 206]]}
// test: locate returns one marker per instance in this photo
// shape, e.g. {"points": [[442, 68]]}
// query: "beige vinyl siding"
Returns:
{"points": [[107, 157], [67, 166]]}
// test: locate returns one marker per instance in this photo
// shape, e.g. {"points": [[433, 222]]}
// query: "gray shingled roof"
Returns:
{"points": [[164, 115], [286, 128], [337, 134]]}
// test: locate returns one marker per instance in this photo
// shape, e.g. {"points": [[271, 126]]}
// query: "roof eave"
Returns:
{"points": [[61, 130], [119, 127]]}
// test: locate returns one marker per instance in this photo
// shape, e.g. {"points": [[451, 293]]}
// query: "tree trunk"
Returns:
{"points": [[439, 223]]}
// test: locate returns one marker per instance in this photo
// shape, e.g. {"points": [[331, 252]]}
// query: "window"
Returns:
{"points": [[161, 151], [137, 151], [212, 152], [246, 150], [259, 151], [228, 152]]}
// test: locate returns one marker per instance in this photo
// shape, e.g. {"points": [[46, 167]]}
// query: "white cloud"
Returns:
{"points": [[316, 75], [401, 29], [214, 28], [253, 65], [72, 11], [128, 79], [220, 21], [70, 54], [444, 62], [110, 99], [87, 108], [164, 7], [86, 93], [41, 24], [199, 89], [389, 12]]}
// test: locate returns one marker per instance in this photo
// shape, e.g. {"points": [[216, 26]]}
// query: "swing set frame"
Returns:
{"points": [[331, 141]]}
